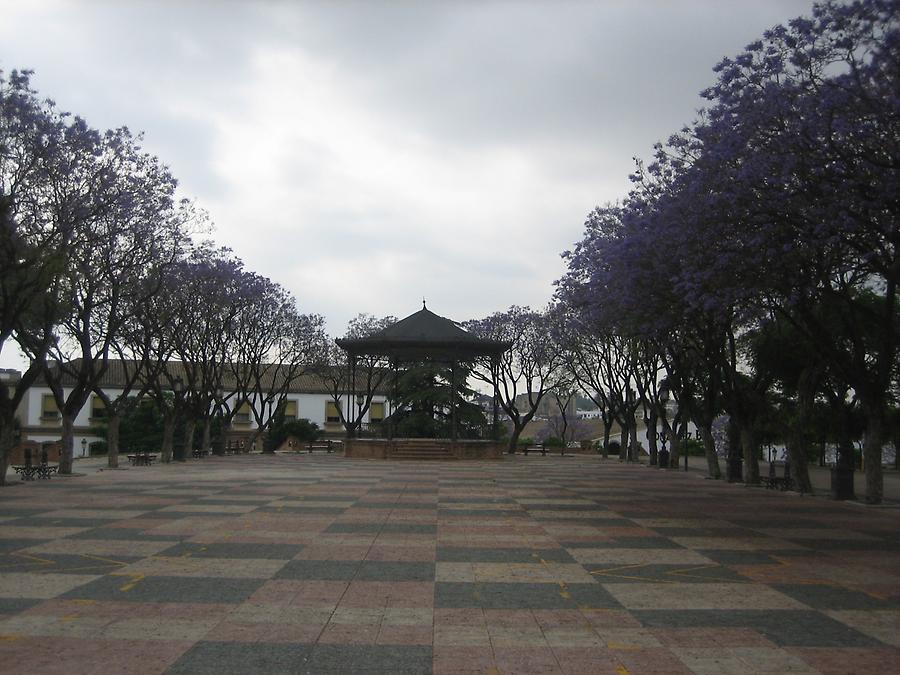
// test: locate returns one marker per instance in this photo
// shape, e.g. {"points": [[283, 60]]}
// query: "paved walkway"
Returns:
{"points": [[302, 564]]}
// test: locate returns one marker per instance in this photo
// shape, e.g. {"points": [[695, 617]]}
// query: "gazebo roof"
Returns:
{"points": [[424, 335]]}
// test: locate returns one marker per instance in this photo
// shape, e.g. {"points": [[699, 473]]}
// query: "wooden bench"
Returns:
{"points": [[141, 459]]}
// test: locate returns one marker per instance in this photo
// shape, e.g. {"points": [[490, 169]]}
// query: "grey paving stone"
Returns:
{"points": [[377, 570], [519, 555], [786, 627], [165, 589], [388, 528], [522, 596], [619, 574], [215, 658], [387, 659], [232, 550], [729, 557], [324, 570], [820, 596], [10, 545]]}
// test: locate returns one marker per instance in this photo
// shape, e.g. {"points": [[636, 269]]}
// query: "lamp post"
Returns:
{"points": [[735, 462], [663, 454], [83, 446], [178, 390], [218, 438], [360, 399]]}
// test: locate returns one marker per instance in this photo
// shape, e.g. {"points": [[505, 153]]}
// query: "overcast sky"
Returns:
{"points": [[367, 154]]}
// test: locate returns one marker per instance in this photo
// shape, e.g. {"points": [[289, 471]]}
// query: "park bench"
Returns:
{"points": [[543, 447], [141, 459], [319, 445], [29, 470], [775, 482]]}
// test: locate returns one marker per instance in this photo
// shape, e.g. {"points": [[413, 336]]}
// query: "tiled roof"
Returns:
{"points": [[118, 373]]}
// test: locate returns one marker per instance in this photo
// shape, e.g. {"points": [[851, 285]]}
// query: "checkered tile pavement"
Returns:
{"points": [[299, 564]]}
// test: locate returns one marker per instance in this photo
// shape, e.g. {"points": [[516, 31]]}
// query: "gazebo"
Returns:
{"points": [[424, 336]]}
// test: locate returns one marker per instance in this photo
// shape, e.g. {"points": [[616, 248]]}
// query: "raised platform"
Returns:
{"points": [[421, 449]]}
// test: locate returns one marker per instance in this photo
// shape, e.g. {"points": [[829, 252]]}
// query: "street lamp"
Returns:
{"points": [[219, 439], [83, 446], [178, 390], [663, 454]]}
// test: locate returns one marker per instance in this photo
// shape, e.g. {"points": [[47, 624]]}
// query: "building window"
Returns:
{"points": [[376, 412], [98, 408], [290, 410], [242, 416], [332, 414], [49, 409]]}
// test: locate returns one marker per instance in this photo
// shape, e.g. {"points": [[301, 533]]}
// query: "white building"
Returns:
{"points": [[307, 398]]}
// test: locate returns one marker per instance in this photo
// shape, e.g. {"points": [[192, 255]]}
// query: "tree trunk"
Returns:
{"points": [[606, 432], [168, 436], [634, 452], [66, 444], [651, 438], [709, 449], [796, 451], [514, 438], [6, 443], [206, 443], [874, 439], [751, 456], [113, 422], [187, 442], [674, 449]]}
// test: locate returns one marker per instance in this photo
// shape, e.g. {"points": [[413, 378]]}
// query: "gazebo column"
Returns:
{"points": [[453, 431], [392, 421], [349, 415], [495, 431]]}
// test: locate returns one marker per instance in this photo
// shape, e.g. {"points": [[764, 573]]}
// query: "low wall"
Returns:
{"points": [[383, 448]]}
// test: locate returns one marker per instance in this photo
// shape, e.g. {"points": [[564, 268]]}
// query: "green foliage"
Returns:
{"points": [[140, 428], [423, 394], [281, 428], [525, 441], [692, 447], [554, 442]]}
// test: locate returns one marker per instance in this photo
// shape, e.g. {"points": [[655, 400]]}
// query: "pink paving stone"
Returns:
{"points": [[651, 660], [137, 610], [404, 635], [526, 660], [402, 553], [349, 634], [586, 661], [333, 552], [851, 661], [299, 593], [467, 616], [389, 594], [453, 659], [610, 618], [549, 618], [91, 657], [704, 637], [509, 617], [138, 523]]}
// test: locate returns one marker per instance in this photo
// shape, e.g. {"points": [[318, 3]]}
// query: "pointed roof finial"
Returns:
{"points": [[423, 302]]}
